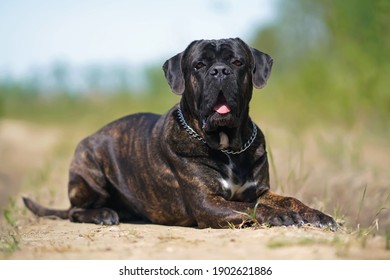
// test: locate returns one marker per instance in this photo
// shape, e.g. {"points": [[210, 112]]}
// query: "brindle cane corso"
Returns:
{"points": [[201, 164]]}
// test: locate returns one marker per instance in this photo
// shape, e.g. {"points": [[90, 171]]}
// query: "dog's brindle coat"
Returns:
{"points": [[200, 168]]}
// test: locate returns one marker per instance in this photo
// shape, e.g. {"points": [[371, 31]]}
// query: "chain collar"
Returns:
{"points": [[192, 132]]}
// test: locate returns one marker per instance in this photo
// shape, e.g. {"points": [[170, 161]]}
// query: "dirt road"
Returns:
{"points": [[45, 239]]}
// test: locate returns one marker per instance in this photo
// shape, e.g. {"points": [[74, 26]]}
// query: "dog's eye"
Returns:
{"points": [[199, 65], [237, 62]]}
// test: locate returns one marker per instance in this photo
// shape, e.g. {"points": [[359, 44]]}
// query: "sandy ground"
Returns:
{"points": [[27, 237], [44, 239]]}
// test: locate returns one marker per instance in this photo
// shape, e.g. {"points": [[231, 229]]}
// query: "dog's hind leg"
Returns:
{"points": [[102, 216], [88, 200]]}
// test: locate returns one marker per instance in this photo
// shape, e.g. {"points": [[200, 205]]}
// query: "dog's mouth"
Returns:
{"points": [[222, 107], [219, 116]]}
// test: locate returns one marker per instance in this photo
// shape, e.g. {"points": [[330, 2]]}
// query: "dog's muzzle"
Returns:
{"points": [[220, 99]]}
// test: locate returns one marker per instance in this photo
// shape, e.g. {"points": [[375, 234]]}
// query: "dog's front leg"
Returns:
{"points": [[309, 215], [216, 212]]}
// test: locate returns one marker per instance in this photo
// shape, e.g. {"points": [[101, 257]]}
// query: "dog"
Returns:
{"points": [[202, 164]]}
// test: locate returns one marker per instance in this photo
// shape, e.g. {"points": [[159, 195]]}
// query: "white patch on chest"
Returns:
{"points": [[235, 189]]}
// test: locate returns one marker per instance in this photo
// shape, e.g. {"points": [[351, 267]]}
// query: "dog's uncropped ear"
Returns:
{"points": [[261, 68], [174, 74]]}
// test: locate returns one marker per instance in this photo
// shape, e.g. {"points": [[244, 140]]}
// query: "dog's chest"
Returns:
{"points": [[237, 182]]}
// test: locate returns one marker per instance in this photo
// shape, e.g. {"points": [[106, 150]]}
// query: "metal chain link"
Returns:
{"points": [[192, 132]]}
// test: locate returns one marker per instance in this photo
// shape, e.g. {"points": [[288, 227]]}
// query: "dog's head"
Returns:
{"points": [[216, 78]]}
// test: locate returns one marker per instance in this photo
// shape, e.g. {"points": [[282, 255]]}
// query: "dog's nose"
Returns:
{"points": [[220, 71]]}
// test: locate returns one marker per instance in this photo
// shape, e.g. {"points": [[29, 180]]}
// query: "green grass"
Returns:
{"points": [[281, 242], [71, 110], [249, 218], [9, 243], [9, 232], [9, 211], [387, 240], [306, 241]]}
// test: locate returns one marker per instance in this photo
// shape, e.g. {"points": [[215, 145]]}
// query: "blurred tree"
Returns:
{"points": [[121, 77], [333, 54], [61, 75], [92, 77], [1, 106]]}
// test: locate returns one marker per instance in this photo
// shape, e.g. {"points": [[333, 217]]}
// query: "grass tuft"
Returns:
{"points": [[248, 219], [9, 243], [387, 240], [10, 212], [9, 233]]}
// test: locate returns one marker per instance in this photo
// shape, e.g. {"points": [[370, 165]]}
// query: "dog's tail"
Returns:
{"points": [[41, 211]]}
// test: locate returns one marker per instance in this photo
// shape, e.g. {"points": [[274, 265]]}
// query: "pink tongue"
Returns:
{"points": [[222, 109]]}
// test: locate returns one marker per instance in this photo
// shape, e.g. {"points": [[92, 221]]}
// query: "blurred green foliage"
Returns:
{"points": [[331, 64], [331, 61], [100, 101]]}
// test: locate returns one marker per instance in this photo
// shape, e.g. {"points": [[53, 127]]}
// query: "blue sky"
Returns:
{"points": [[34, 33]]}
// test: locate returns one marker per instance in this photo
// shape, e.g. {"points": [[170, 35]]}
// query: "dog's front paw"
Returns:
{"points": [[308, 215], [319, 219], [281, 217]]}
